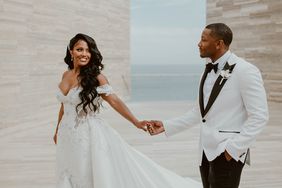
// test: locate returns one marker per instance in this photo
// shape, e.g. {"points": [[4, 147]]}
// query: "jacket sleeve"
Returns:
{"points": [[176, 125], [255, 101]]}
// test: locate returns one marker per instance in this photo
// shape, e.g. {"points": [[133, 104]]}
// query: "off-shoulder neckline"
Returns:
{"points": [[76, 87]]}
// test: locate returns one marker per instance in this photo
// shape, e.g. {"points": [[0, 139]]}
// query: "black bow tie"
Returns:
{"points": [[211, 66]]}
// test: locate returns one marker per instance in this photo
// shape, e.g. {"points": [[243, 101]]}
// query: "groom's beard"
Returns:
{"points": [[205, 54]]}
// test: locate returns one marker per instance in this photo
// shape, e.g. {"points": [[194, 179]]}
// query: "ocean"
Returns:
{"points": [[165, 82]]}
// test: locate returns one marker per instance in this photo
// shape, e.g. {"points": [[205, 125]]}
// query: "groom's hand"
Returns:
{"points": [[155, 127], [227, 156]]}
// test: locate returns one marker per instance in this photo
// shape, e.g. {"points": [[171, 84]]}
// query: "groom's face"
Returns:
{"points": [[208, 45]]}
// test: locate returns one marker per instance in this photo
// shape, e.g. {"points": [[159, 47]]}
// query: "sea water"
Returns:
{"points": [[165, 82]]}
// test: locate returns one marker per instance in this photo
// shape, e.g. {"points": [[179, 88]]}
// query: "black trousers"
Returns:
{"points": [[220, 173]]}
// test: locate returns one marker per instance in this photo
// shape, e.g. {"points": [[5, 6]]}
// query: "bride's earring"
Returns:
{"points": [[71, 58]]}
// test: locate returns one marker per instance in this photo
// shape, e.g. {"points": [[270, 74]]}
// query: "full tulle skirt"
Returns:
{"points": [[91, 154]]}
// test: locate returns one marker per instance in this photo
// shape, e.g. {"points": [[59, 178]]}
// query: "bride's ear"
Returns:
{"points": [[71, 54]]}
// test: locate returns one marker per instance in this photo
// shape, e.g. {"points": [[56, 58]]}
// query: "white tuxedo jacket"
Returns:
{"points": [[235, 114]]}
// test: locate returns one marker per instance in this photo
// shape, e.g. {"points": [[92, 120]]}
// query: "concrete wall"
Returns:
{"points": [[33, 39], [257, 27]]}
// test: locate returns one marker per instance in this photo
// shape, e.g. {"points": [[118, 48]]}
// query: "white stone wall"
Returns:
{"points": [[33, 39], [257, 28]]}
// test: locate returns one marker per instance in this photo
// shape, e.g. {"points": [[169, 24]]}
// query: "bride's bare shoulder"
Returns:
{"points": [[102, 79], [64, 84], [66, 74]]}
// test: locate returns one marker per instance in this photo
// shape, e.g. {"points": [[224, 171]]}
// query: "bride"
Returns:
{"points": [[91, 154]]}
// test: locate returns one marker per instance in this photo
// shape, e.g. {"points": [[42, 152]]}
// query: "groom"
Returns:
{"points": [[232, 110]]}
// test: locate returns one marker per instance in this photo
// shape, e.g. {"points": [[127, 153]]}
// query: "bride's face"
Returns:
{"points": [[80, 53]]}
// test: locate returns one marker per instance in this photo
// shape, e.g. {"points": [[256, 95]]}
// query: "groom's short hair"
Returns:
{"points": [[221, 31]]}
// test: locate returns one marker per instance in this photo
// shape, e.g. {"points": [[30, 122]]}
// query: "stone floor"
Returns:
{"points": [[27, 153]]}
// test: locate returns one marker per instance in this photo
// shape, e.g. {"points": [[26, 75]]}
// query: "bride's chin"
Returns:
{"points": [[83, 63]]}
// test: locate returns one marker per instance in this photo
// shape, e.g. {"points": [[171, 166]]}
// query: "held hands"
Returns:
{"points": [[155, 127]]}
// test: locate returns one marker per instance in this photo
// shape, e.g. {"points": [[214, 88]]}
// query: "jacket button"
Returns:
{"points": [[203, 120]]}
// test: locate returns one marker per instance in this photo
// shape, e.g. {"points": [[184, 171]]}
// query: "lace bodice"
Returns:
{"points": [[72, 95], [71, 99]]}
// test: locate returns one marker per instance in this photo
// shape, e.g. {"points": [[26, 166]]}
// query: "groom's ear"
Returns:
{"points": [[220, 44]]}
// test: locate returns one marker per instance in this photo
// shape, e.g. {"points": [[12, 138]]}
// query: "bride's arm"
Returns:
{"points": [[117, 104], [61, 113]]}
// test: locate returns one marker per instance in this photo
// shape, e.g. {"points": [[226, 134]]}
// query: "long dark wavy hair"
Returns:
{"points": [[88, 74]]}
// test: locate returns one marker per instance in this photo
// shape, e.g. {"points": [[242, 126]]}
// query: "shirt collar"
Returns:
{"points": [[222, 60]]}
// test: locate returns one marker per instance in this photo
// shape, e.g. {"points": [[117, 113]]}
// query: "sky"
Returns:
{"points": [[166, 31]]}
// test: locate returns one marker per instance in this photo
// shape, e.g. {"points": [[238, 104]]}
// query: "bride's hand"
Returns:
{"points": [[142, 125], [55, 138]]}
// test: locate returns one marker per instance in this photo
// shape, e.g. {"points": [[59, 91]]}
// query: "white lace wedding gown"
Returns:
{"points": [[91, 154]]}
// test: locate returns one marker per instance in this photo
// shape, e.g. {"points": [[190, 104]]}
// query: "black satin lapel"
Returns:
{"points": [[214, 93], [201, 92], [217, 88]]}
